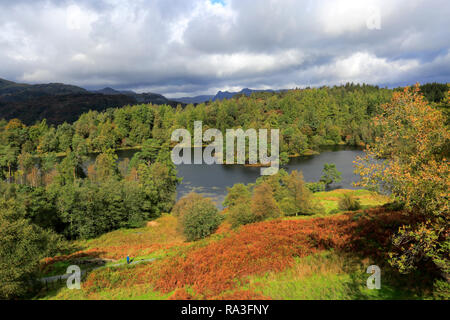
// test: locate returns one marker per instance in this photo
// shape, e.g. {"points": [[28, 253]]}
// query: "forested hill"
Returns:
{"points": [[58, 103]]}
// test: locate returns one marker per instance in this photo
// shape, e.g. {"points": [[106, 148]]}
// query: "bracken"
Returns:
{"points": [[221, 266]]}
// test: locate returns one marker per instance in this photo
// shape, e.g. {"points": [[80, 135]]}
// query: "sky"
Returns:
{"points": [[192, 47]]}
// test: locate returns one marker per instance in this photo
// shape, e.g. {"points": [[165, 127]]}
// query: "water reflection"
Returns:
{"points": [[213, 180]]}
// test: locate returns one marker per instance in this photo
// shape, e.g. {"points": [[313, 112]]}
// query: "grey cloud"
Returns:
{"points": [[179, 47]]}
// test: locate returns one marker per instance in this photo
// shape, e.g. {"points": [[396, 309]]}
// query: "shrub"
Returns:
{"points": [[394, 206], [315, 186], [349, 203], [198, 217], [441, 290]]}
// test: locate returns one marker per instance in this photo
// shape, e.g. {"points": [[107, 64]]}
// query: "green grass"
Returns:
{"points": [[329, 276], [368, 199]]}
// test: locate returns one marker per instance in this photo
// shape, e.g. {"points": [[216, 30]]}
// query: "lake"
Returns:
{"points": [[213, 180]]}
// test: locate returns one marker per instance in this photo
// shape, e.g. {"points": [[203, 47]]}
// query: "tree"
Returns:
{"points": [[284, 158], [236, 194], [300, 198], [415, 146], [160, 184], [185, 204], [263, 204], [241, 214], [148, 154], [48, 142], [198, 217], [70, 168], [26, 164], [106, 166], [48, 165], [22, 246], [150, 150], [64, 134], [330, 174], [8, 158]]}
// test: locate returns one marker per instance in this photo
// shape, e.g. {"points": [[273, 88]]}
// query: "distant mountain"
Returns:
{"points": [[193, 100], [221, 95], [147, 97], [107, 90], [59, 102], [5, 83]]}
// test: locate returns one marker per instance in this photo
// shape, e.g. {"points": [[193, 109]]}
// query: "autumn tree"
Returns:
{"points": [[263, 204], [415, 146]]}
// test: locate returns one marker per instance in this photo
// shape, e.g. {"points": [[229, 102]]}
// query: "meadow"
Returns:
{"points": [[322, 256]]}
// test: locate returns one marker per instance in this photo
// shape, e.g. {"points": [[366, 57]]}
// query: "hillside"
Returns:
{"points": [[59, 108], [310, 257], [60, 103]]}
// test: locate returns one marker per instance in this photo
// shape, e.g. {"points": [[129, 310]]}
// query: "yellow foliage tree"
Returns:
{"points": [[415, 146]]}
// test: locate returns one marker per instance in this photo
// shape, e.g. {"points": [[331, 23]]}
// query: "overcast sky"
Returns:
{"points": [[190, 47]]}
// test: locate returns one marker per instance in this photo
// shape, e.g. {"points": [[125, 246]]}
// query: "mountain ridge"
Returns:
{"points": [[59, 102], [220, 95]]}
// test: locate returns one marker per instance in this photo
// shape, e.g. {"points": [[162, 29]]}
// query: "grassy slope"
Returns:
{"points": [[299, 258]]}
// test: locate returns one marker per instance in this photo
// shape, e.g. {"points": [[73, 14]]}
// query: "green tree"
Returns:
{"points": [[22, 246], [263, 204], [236, 194], [199, 219], [241, 214], [8, 158], [70, 168], [159, 184], [106, 166], [148, 154], [300, 198], [330, 174]]}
